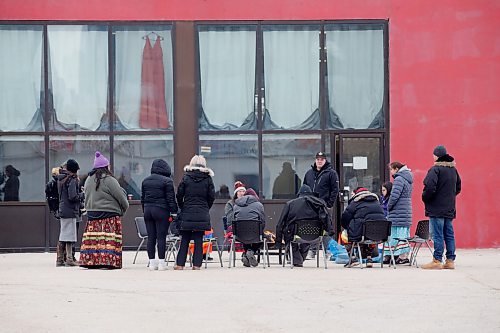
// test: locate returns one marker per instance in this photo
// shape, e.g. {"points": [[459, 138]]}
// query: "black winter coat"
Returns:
{"points": [[11, 189], [399, 205], [306, 206], [441, 186], [158, 188], [325, 182], [195, 196], [364, 206], [70, 195]]}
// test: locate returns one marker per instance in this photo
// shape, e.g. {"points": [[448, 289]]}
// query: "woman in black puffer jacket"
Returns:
{"points": [[158, 202], [195, 196]]}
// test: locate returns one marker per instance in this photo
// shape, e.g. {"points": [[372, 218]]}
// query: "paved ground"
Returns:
{"points": [[35, 296]]}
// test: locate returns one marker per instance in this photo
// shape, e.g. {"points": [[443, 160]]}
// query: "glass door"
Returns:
{"points": [[360, 163]]}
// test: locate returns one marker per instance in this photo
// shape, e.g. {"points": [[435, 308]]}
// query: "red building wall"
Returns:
{"points": [[444, 72]]}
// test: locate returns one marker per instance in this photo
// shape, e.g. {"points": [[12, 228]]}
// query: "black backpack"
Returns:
{"points": [[52, 196]]}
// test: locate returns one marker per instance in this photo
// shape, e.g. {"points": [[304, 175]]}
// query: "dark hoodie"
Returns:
{"points": [[399, 205], [248, 207], [11, 189], [441, 186], [305, 207], [325, 182], [70, 196], [195, 196], [363, 206], [158, 188]]}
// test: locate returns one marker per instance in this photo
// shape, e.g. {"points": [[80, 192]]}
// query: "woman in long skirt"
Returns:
{"points": [[105, 202]]}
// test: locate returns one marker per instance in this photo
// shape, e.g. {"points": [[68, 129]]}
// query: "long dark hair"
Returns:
{"points": [[99, 174], [388, 186]]}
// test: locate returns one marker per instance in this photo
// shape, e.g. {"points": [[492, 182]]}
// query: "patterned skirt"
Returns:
{"points": [[102, 244], [398, 232]]}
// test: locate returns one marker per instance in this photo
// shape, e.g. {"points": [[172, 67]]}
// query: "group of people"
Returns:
{"points": [[105, 202]]}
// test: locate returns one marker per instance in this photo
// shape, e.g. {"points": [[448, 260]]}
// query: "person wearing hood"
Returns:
{"points": [[248, 207], [195, 196], [11, 186], [158, 202], [323, 180], [442, 184], [70, 197], [399, 212], [363, 206], [106, 202], [305, 207]]}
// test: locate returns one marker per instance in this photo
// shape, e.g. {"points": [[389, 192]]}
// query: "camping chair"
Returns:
{"points": [[374, 233], [307, 232], [422, 236], [248, 232], [140, 225]]}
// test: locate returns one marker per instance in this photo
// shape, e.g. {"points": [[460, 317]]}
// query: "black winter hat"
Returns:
{"points": [[72, 165], [439, 151]]}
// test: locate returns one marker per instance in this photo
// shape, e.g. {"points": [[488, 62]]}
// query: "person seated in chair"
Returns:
{"points": [[305, 207], [363, 206], [248, 207]]}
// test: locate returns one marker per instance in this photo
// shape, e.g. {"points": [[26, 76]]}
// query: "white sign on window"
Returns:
{"points": [[360, 162]]}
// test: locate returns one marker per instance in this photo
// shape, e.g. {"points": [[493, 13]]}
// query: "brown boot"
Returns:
{"points": [[449, 264], [69, 255], [196, 268], [434, 264], [178, 268], [60, 254]]}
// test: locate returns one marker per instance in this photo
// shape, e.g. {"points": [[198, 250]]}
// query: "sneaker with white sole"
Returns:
{"points": [[311, 254], [162, 265], [153, 264]]}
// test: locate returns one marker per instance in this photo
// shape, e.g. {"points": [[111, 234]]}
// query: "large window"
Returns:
{"points": [[106, 83], [291, 87]]}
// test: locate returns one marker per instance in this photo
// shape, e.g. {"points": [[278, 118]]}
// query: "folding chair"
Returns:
{"points": [[140, 225], [172, 246], [374, 233], [307, 232], [247, 232], [422, 236]]}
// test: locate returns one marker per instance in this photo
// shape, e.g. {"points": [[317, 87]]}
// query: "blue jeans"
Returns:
{"points": [[442, 234]]}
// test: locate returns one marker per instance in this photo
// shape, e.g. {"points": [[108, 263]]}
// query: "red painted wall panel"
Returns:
{"points": [[444, 71]]}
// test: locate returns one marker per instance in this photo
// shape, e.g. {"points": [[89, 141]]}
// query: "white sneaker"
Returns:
{"points": [[162, 265], [153, 264], [311, 254]]}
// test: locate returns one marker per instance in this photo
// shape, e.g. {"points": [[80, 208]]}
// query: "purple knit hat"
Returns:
{"points": [[100, 161]]}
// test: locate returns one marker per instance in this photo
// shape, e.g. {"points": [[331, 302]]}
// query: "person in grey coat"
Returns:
{"points": [[248, 207], [399, 211]]}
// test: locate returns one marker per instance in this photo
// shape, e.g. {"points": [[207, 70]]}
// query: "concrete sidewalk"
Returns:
{"points": [[38, 297]]}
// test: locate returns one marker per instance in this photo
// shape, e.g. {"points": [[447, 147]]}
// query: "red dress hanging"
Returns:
{"points": [[153, 113]]}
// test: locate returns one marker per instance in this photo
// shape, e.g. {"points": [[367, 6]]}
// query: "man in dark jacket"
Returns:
{"points": [[158, 202], [363, 206], [305, 207], [323, 180], [441, 186]]}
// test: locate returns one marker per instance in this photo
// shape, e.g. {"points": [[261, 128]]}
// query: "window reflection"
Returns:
{"points": [[78, 77], [286, 158], [232, 157], [133, 156], [143, 77], [80, 148], [22, 165]]}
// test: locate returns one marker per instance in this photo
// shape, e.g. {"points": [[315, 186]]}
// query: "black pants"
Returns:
{"points": [[254, 247], [299, 252], [156, 219], [186, 237]]}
